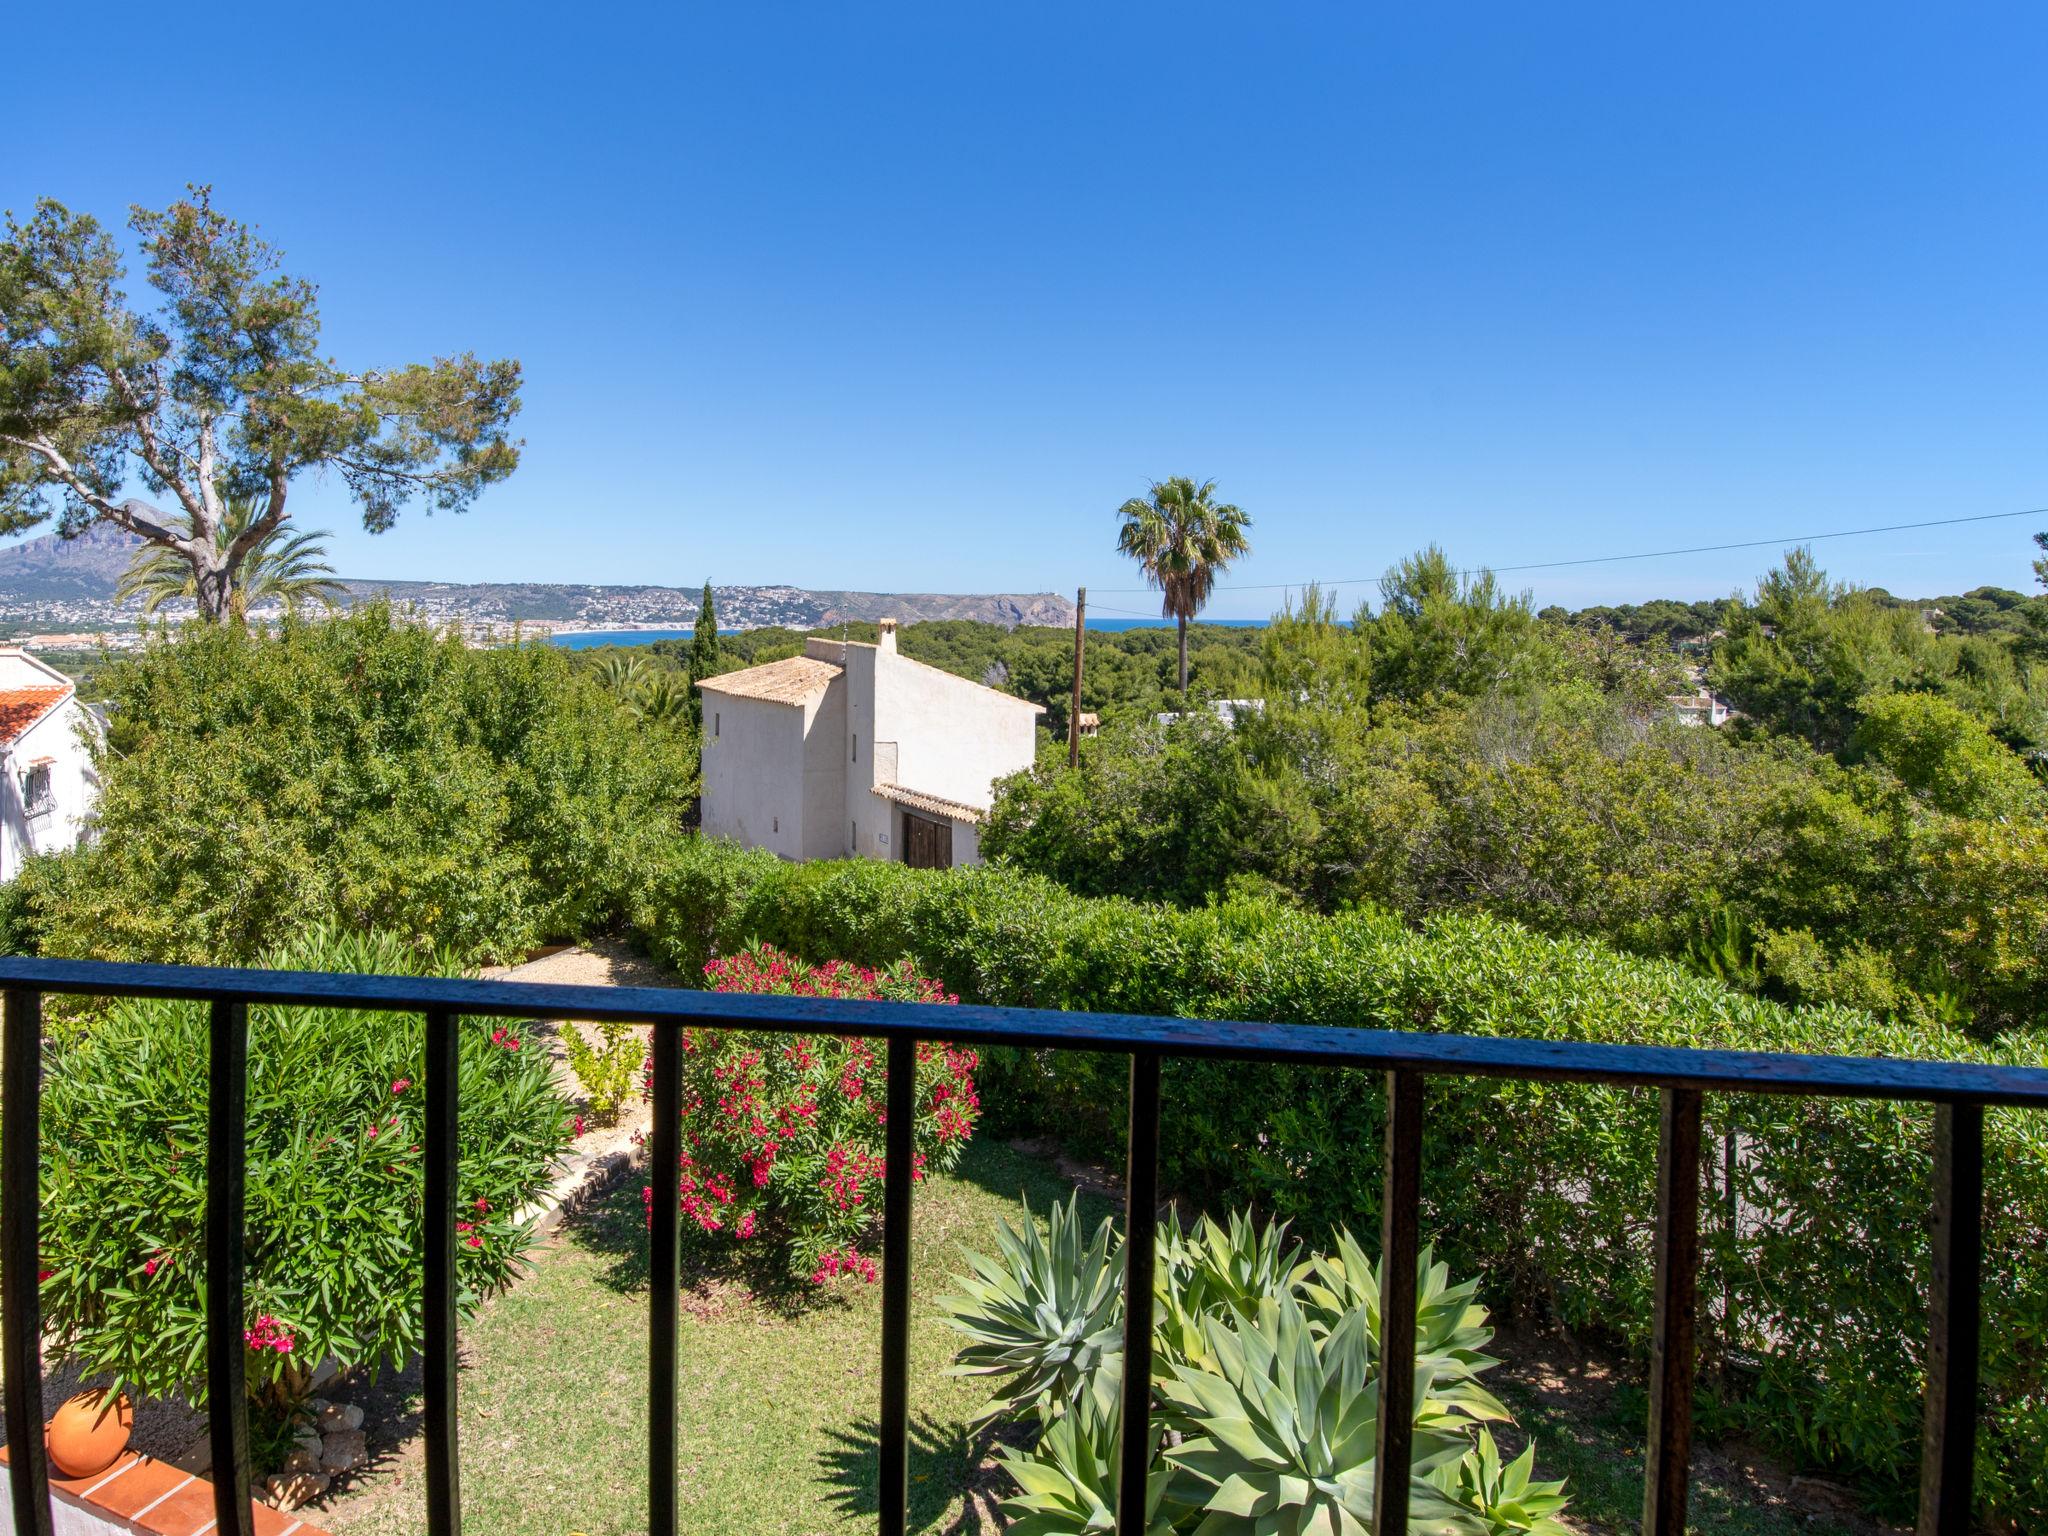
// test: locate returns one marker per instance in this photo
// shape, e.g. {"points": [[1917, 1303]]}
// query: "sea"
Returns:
{"points": [[590, 639]]}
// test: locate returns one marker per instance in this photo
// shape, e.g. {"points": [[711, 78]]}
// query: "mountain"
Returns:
{"points": [[70, 583], [50, 568]]}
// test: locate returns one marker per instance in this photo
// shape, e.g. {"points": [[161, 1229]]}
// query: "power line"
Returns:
{"points": [[1652, 554]]}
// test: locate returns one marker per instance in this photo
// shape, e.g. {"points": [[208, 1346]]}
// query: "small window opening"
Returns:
{"points": [[856, 749], [714, 722]]}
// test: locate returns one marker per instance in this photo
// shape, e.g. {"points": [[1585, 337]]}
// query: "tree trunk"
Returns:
{"points": [[212, 585], [1182, 620]]}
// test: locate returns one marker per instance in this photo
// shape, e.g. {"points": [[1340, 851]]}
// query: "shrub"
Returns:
{"points": [[1547, 1189], [335, 1182], [1265, 1385], [784, 1133], [608, 1070], [364, 771]]}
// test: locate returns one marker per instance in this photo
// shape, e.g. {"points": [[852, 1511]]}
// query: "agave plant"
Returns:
{"points": [[1504, 1501], [1451, 1333], [1044, 1318], [1213, 1271], [1280, 1431], [1069, 1479]]}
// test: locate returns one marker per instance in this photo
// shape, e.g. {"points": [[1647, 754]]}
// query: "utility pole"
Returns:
{"points": [[1074, 714]]}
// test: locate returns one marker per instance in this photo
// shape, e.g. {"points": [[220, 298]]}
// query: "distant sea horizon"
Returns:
{"points": [[591, 639]]}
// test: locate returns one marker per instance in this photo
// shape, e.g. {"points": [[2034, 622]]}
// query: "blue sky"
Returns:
{"points": [[911, 298]]}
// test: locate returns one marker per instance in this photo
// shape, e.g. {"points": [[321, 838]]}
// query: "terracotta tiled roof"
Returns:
{"points": [[21, 708], [935, 805], [790, 681]]}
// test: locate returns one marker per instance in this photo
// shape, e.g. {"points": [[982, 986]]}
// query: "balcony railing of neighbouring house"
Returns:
{"points": [[1958, 1092]]}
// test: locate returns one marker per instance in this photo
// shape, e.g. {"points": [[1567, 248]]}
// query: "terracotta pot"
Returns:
{"points": [[87, 1436]]}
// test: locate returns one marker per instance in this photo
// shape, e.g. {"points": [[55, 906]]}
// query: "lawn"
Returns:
{"points": [[779, 1390]]}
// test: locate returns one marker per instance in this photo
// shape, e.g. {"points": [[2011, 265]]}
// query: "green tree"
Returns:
{"points": [[703, 653], [1445, 633], [218, 389], [283, 566], [1181, 537]]}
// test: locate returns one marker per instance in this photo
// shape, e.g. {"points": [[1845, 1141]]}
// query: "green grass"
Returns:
{"points": [[779, 1391], [778, 1395]]}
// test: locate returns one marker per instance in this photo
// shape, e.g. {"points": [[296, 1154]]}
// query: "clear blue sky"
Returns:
{"points": [[911, 298]]}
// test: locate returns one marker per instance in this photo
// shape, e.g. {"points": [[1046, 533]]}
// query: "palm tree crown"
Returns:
{"points": [[1181, 537], [284, 566]]}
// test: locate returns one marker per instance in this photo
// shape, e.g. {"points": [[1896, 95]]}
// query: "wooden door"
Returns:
{"points": [[927, 844]]}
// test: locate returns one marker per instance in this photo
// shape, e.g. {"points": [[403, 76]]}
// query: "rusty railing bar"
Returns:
{"points": [[899, 1161], [1400, 1218], [1667, 1471], [21, 1302], [442, 1067], [227, 1152], [1948, 1448], [664, 1264], [1141, 1234]]}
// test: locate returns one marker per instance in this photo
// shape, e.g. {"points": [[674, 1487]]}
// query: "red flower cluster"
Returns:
{"points": [[269, 1333], [505, 1038], [790, 1127], [834, 1262]]}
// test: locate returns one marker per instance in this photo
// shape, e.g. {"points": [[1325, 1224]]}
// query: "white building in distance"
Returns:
{"points": [[853, 749], [48, 788]]}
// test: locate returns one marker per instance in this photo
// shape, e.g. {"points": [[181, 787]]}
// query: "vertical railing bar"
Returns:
{"points": [[1400, 1218], [21, 1303], [441, 1065], [664, 1262], [1948, 1449], [1668, 1469], [899, 1152], [227, 1404], [1141, 1230]]}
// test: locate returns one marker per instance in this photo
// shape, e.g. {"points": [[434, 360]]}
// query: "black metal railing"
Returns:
{"points": [[1959, 1093]]}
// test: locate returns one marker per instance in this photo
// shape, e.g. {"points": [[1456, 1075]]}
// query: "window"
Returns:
{"points": [[856, 749], [714, 722], [36, 793]]}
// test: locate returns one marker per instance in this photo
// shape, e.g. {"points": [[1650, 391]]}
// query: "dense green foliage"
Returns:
{"points": [[1265, 1386], [1546, 1191], [366, 772], [1874, 833], [334, 1181]]}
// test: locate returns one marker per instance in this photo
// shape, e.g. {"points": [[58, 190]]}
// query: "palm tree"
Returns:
{"points": [[283, 566], [664, 699], [623, 673], [1181, 536]]}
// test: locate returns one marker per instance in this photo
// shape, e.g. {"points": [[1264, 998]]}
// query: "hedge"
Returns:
{"points": [[1813, 1303]]}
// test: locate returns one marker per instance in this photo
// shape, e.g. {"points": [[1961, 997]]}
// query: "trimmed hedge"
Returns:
{"points": [[1814, 1299]]}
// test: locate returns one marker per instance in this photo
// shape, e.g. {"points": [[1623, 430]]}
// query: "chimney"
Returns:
{"points": [[885, 637]]}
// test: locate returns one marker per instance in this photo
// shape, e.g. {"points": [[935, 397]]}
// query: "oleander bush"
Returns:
{"points": [[1265, 1388], [334, 1182], [783, 1134], [1813, 1302]]}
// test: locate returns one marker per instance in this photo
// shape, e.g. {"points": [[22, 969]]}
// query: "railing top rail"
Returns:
{"points": [[1646, 1066]]}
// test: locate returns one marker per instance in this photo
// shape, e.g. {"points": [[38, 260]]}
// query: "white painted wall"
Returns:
{"points": [[753, 772], [67, 735]]}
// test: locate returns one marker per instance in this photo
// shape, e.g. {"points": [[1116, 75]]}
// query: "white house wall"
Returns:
{"points": [[74, 789], [825, 825], [754, 773], [953, 738]]}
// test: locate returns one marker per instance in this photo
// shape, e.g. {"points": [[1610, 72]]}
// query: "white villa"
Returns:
{"points": [[47, 785], [853, 749]]}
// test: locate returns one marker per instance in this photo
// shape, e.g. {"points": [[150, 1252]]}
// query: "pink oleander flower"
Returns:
{"points": [[401, 1085]]}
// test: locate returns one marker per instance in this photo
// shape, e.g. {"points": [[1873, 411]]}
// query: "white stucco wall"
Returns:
{"points": [[953, 738], [825, 773], [64, 735], [753, 772]]}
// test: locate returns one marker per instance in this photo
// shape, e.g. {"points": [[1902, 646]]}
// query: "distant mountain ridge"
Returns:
{"points": [[71, 582]]}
